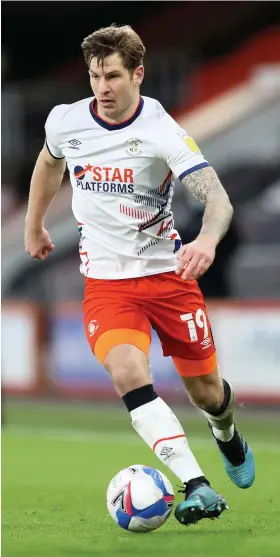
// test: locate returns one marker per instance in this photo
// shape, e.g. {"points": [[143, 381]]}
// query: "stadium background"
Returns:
{"points": [[215, 66]]}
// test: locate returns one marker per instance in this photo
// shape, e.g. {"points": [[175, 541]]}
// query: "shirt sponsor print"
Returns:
{"points": [[104, 179]]}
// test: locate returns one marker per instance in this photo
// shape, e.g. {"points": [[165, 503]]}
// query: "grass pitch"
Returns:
{"points": [[57, 461]]}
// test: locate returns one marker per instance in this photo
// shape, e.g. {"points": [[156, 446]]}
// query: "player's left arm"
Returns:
{"points": [[187, 163], [196, 257], [205, 185]]}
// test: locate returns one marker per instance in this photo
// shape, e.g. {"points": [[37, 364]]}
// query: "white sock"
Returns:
{"points": [[224, 434], [159, 427]]}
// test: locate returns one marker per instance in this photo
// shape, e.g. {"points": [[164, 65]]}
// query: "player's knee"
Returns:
{"points": [[128, 368]]}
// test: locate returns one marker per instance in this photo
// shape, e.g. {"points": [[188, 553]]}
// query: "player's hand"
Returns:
{"points": [[38, 243], [195, 258]]}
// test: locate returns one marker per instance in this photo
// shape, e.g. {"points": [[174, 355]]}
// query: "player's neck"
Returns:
{"points": [[120, 117]]}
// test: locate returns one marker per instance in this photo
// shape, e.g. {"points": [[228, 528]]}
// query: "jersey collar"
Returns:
{"points": [[120, 125]]}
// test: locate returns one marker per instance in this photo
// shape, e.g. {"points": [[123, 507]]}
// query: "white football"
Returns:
{"points": [[140, 498]]}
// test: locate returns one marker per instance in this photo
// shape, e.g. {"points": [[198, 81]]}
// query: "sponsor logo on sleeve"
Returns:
{"points": [[190, 142]]}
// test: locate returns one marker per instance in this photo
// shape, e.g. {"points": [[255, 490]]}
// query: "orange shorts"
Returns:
{"points": [[123, 312]]}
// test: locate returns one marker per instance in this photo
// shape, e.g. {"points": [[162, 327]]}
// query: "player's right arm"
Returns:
{"points": [[45, 182]]}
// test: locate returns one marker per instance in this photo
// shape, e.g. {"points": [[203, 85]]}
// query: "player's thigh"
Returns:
{"points": [[118, 332], [181, 320]]}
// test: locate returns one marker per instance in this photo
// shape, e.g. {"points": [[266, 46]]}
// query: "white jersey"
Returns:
{"points": [[121, 176]]}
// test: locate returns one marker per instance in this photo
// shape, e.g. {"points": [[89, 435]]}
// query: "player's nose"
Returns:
{"points": [[103, 87]]}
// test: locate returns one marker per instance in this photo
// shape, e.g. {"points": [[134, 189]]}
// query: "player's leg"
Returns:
{"points": [[216, 398], [151, 417], [180, 318], [118, 332], [185, 332], [158, 426], [211, 393]]}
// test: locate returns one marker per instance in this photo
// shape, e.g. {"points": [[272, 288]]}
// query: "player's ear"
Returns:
{"points": [[138, 75]]}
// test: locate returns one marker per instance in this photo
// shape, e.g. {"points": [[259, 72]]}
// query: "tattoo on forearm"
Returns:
{"points": [[205, 185], [202, 182]]}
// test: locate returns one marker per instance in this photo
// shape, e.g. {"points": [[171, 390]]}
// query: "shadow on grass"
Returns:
{"points": [[132, 550]]}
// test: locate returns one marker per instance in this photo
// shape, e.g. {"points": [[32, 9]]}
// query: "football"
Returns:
{"points": [[140, 498]]}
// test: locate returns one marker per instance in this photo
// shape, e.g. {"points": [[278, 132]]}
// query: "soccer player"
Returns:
{"points": [[122, 150]]}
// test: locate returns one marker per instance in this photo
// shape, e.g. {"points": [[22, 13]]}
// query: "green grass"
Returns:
{"points": [[54, 484]]}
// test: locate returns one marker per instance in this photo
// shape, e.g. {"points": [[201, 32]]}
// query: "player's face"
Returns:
{"points": [[116, 89]]}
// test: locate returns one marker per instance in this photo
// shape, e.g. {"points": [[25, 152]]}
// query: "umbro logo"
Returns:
{"points": [[74, 143], [166, 452]]}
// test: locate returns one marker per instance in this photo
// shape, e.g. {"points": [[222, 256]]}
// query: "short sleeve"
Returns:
{"points": [[178, 149], [52, 132]]}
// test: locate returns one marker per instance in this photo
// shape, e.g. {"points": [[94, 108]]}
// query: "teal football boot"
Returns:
{"points": [[201, 501]]}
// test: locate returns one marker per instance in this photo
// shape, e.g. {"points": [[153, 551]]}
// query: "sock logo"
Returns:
{"points": [[166, 452]]}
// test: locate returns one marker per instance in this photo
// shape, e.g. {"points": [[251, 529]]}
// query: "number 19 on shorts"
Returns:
{"points": [[194, 321]]}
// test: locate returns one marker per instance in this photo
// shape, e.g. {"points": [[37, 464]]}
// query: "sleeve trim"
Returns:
{"points": [[57, 158], [193, 169]]}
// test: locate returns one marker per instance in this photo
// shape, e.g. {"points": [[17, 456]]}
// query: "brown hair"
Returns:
{"points": [[109, 40]]}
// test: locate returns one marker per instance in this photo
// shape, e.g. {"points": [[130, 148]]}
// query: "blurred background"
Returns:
{"points": [[215, 66]]}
